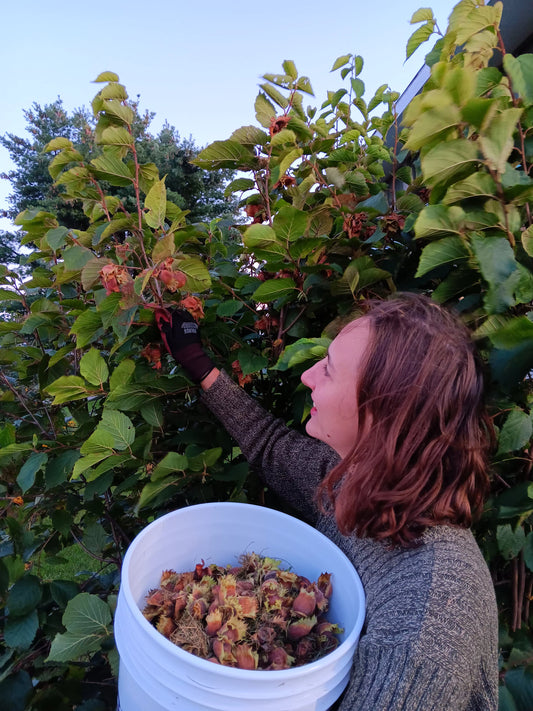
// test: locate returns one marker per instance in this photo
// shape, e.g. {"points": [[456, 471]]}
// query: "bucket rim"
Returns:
{"points": [[232, 672]]}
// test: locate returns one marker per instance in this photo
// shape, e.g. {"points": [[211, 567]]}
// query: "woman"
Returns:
{"points": [[394, 475]]}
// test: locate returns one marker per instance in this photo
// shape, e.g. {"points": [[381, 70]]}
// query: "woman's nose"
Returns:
{"points": [[307, 377]]}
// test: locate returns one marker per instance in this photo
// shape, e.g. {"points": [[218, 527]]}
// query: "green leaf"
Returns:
{"points": [[171, 462], [87, 614], [94, 368], [438, 221], [520, 684], [475, 186], [450, 160], [225, 154], [116, 136], [56, 237], [91, 271], [24, 596], [153, 414], [119, 110], [527, 240], [109, 167], [433, 123], [76, 257], [419, 36], [26, 475], [516, 501], [119, 426], [58, 144], [449, 250], [423, 14], [262, 237], [106, 76], [164, 247], [289, 223], [302, 351], [251, 361], [496, 262], [70, 647], [87, 328], [198, 278], [121, 375], [154, 488], [156, 204], [520, 71], [516, 332], [516, 432], [341, 62], [238, 185], [358, 87], [264, 110], [276, 96], [497, 143], [67, 388], [510, 542], [19, 632], [249, 136], [273, 289], [229, 308]]}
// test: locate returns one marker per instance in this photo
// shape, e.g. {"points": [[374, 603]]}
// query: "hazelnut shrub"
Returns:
{"points": [[100, 430]]}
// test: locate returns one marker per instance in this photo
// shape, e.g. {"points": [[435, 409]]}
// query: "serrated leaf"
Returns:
{"points": [[163, 248], [419, 36], [153, 414], [24, 596], [76, 257], [264, 110], [527, 240], [476, 185], [198, 277], [250, 361], [438, 221], [449, 160], [91, 271], [109, 167], [433, 123], [87, 327], [156, 204], [121, 375], [119, 427], [510, 541], [116, 136], [340, 62], [106, 76], [289, 223], [58, 144], [303, 350], [423, 14], [94, 368], [516, 432], [225, 154], [249, 136], [119, 110], [520, 71], [68, 388], [238, 185], [70, 647], [171, 462], [26, 475], [56, 237], [449, 250], [19, 632], [273, 289], [497, 142]]}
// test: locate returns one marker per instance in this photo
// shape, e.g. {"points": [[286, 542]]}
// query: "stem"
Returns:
{"points": [[298, 316], [23, 403], [516, 610]]}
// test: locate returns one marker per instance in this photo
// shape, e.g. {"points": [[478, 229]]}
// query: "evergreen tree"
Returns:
{"points": [[191, 187]]}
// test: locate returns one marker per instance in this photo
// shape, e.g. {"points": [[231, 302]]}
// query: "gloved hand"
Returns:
{"points": [[180, 334]]}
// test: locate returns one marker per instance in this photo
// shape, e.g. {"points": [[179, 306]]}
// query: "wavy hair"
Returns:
{"points": [[421, 453]]}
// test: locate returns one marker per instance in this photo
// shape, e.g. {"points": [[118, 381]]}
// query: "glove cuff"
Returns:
{"points": [[195, 361]]}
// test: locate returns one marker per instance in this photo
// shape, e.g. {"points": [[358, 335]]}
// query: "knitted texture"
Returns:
{"points": [[429, 642]]}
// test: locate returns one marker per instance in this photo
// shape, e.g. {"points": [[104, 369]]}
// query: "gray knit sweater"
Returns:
{"points": [[429, 642]]}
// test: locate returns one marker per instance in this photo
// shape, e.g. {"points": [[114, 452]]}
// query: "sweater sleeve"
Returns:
{"points": [[291, 463], [395, 677]]}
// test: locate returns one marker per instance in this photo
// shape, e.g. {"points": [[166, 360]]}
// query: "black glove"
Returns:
{"points": [[180, 334]]}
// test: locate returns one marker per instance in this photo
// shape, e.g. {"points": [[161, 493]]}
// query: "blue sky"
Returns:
{"points": [[195, 64]]}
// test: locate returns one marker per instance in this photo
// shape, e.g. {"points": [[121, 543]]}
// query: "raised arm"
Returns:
{"points": [[291, 463]]}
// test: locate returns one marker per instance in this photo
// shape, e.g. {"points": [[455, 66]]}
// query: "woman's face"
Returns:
{"points": [[333, 382]]}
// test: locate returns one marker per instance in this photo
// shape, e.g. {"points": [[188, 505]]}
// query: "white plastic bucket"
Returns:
{"points": [[156, 675]]}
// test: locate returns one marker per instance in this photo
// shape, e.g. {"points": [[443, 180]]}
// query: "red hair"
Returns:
{"points": [[421, 453]]}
